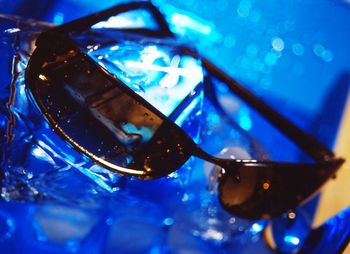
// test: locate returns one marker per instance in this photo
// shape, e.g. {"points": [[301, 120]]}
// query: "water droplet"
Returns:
{"points": [[237, 178], [42, 77], [147, 162], [291, 215], [30, 175], [254, 16], [185, 198], [318, 50], [243, 9], [327, 56], [7, 226], [298, 49], [271, 58], [109, 221], [252, 50], [266, 185], [229, 41], [278, 44], [213, 234], [168, 221]]}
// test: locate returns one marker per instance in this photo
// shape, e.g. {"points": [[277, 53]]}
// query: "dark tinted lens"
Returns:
{"points": [[168, 149], [262, 192], [100, 116]]}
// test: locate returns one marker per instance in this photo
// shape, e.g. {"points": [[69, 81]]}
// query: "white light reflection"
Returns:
{"points": [[37, 152], [154, 72], [171, 79], [41, 154], [191, 23], [153, 67], [256, 228], [278, 44], [152, 53], [213, 234], [131, 19], [42, 77], [113, 48], [292, 239], [186, 23], [12, 30]]}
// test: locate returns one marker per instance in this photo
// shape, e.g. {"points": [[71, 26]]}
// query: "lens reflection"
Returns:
{"points": [[90, 109]]}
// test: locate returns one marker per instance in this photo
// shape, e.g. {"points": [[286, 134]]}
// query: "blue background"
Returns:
{"points": [[294, 54]]}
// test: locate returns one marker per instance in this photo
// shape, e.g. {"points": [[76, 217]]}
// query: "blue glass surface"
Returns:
{"points": [[285, 52], [332, 235]]}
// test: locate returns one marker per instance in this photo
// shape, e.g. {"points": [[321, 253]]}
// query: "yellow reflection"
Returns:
{"points": [[42, 77], [266, 186], [332, 198]]}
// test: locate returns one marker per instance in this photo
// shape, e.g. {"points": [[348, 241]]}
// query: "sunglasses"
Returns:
{"points": [[97, 114]]}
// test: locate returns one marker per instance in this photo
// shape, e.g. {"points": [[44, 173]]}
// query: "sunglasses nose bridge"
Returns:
{"points": [[167, 151]]}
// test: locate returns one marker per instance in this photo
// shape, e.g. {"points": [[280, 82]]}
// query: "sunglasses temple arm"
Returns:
{"points": [[305, 141], [86, 22], [325, 165]]}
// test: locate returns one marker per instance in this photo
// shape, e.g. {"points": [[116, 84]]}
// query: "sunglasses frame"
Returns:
{"points": [[324, 158]]}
